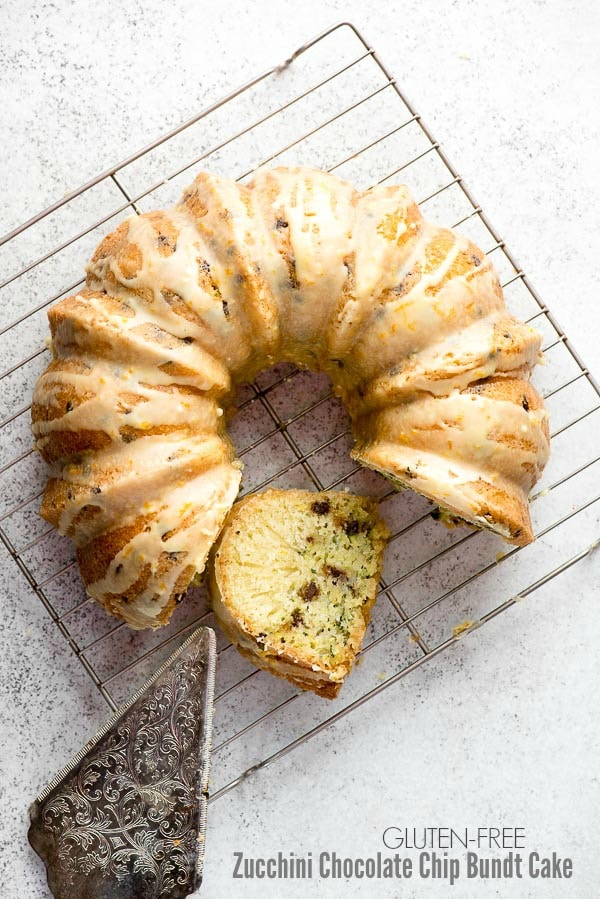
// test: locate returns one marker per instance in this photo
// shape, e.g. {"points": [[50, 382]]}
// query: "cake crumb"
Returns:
{"points": [[462, 628]]}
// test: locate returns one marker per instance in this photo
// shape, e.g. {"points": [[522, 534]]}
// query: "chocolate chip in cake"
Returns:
{"points": [[321, 507], [336, 573], [309, 591], [296, 619]]}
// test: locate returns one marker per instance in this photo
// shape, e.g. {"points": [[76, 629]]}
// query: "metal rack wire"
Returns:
{"points": [[290, 430]]}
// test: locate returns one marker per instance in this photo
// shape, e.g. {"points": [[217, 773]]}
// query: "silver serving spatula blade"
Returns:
{"points": [[126, 819]]}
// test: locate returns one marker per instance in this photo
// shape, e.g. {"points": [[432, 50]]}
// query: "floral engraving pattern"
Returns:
{"points": [[128, 816]]}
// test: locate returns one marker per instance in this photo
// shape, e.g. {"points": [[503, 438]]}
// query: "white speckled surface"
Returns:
{"points": [[504, 729]]}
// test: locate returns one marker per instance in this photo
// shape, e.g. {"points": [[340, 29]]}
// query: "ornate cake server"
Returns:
{"points": [[126, 818]]}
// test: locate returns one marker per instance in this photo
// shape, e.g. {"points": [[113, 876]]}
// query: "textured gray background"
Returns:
{"points": [[504, 730]]}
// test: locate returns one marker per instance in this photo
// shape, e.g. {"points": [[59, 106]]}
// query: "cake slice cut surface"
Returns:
{"points": [[293, 579]]}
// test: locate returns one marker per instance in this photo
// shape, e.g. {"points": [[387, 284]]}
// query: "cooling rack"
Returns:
{"points": [[334, 105]]}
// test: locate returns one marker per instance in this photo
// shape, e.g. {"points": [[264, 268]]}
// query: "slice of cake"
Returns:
{"points": [[293, 580]]}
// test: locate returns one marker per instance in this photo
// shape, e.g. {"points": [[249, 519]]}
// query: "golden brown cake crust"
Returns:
{"points": [[407, 319]]}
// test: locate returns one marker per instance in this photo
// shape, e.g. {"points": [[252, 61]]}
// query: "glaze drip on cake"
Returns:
{"points": [[407, 319]]}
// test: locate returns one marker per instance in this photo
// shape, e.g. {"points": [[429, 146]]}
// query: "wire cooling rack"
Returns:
{"points": [[334, 105]]}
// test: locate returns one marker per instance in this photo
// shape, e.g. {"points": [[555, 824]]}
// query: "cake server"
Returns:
{"points": [[126, 818]]}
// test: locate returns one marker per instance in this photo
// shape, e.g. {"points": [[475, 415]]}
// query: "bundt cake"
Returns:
{"points": [[407, 319], [293, 578]]}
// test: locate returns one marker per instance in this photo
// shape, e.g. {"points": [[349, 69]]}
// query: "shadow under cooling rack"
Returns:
{"points": [[333, 105]]}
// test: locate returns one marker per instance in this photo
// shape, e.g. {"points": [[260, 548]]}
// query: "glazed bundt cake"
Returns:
{"points": [[293, 581], [407, 319]]}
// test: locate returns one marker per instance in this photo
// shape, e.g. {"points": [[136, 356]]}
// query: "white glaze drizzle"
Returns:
{"points": [[219, 301]]}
